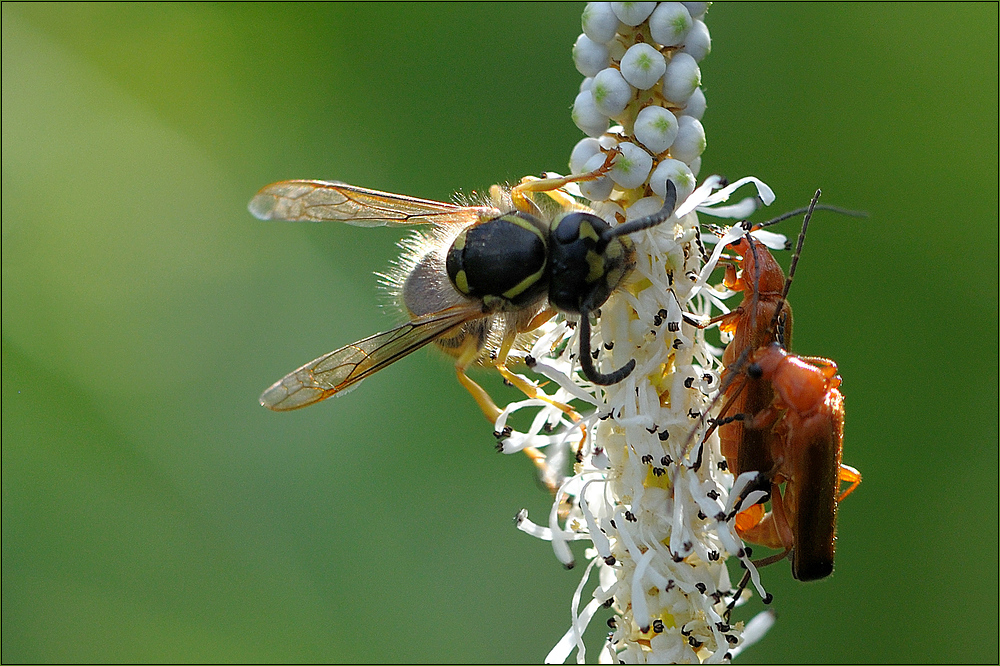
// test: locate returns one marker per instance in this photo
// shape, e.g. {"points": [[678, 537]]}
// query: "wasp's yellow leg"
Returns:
{"points": [[539, 319], [490, 409], [526, 387], [469, 353], [527, 184], [532, 391], [551, 185]]}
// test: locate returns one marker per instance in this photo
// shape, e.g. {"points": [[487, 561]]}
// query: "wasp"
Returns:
{"points": [[479, 278], [787, 414]]}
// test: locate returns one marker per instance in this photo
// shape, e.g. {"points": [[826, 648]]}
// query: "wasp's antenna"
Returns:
{"points": [[669, 203], [587, 361]]}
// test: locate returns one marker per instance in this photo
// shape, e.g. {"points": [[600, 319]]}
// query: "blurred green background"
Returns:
{"points": [[152, 511]]}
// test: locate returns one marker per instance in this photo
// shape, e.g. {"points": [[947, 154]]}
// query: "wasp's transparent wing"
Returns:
{"points": [[317, 200], [342, 369]]}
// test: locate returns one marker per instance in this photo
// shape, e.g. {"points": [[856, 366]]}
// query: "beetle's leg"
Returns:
{"points": [[749, 518], [852, 476], [739, 593], [825, 365], [730, 419], [756, 525], [780, 518], [727, 321], [763, 420], [768, 528], [771, 559], [766, 418]]}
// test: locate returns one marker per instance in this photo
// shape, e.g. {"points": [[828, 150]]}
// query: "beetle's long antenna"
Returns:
{"points": [[798, 211], [795, 260], [727, 381], [768, 598]]}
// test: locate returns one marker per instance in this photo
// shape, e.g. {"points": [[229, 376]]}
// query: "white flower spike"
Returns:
{"points": [[648, 490]]}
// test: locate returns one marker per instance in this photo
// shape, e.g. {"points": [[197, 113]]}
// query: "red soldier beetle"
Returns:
{"points": [[751, 325], [788, 416], [806, 424]]}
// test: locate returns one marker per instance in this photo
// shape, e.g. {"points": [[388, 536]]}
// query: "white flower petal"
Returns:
{"points": [[573, 637], [755, 630], [770, 239]]}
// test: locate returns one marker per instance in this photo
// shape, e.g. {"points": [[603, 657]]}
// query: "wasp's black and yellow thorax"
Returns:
{"points": [[502, 261]]}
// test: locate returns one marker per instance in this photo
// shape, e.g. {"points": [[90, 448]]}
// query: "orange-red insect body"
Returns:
{"points": [[752, 327], [787, 420], [806, 424]]}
